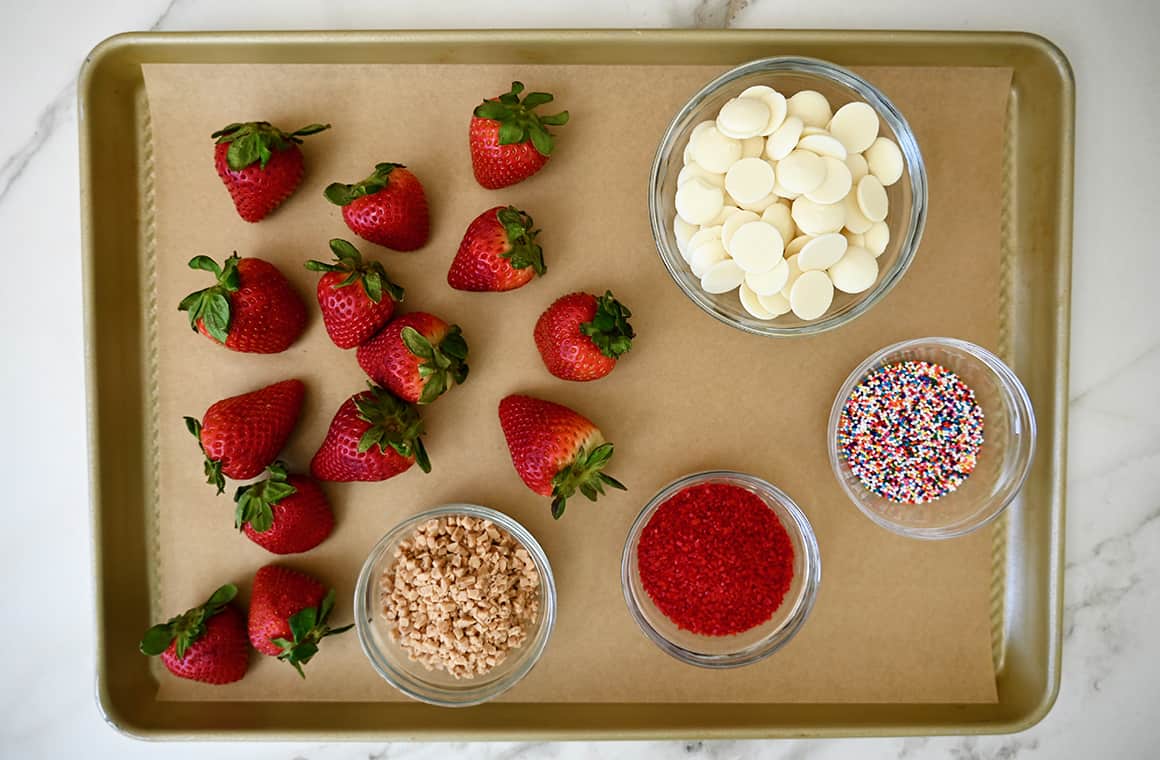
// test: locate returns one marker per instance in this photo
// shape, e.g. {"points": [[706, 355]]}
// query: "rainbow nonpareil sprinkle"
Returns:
{"points": [[911, 432]]}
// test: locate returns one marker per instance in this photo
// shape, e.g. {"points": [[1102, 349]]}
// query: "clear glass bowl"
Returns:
{"points": [[1004, 459], [749, 646], [437, 687], [907, 197]]}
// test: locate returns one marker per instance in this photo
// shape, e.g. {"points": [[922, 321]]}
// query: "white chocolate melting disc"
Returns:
{"points": [[824, 145], [733, 223], [698, 202], [704, 256], [811, 295], [784, 139], [751, 303], [768, 283], [811, 107], [856, 125], [836, 185], [872, 201], [775, 303], [714, 150], [756, 247], [742, 118], [877, 238], [778, 215], [822, 252], [817, 219], [693, 169], [801, 171], [749, 180], [722, 277], [885, 160], [855, 272], [856, 221]]}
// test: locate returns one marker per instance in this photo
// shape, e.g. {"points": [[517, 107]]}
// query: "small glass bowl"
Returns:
{"points": [[1004, 459], [437, 687], [788, 75], [749, 646]]}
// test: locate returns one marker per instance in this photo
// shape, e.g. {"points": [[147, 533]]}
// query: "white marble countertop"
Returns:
{"points": [[1111, 660]]}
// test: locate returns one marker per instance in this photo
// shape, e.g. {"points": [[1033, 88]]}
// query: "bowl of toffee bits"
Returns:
{"points": [[455, 605], [720, 569], [932, 438]]}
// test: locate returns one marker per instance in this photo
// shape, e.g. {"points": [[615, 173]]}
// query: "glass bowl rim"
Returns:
{"points": [[912, 157], [1007, 379], [430, 693], [775, 639]]}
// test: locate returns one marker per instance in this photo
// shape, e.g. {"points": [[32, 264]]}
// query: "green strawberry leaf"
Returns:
{"points": [[343, 195], [524, 251], [371, 273], [307, 627], [256, 141], [609, 328], [211, 306], [583, 474], [156, 640], [518, 121]]}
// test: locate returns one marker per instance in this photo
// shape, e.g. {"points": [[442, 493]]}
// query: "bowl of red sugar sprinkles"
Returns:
{"points": [[932, 438], [720, 569]]}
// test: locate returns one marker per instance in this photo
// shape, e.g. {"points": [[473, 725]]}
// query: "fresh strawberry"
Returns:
{"points": [[206, 643], [351, 295], [260, 164], [580, 336], [252, 308], [373, 436], [240, 435], [555, 450], [388, 208], [283, 514], [417, 357], [498, 252], [509, 141], [288, 612]]}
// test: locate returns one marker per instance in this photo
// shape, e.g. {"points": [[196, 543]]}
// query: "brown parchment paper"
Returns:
{"points": [[897, 620]]}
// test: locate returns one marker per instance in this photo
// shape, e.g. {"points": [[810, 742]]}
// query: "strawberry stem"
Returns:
{"points": [[213, 467], [343, 195], [211, 306], [308, 627], [255, 141], [187, 627], [609, 328], [443, 363], [371, 274], [395, 424], [525, 251], [517, 121], [255, 502], [584, 474]]}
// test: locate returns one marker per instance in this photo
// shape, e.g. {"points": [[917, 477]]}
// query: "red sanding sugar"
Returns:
{"points": [[715, 559]]}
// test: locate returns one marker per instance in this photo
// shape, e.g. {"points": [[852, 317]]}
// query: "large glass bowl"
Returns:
{"points": [[788, 75], [1004, 459], [437, 687]]}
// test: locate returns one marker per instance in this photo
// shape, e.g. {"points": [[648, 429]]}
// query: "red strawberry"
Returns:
{"points": [[350, 294], [288, 612], [284, 514], [260, 164], [580, 336], [388, 208], [240, 435], [206, 643], [373, 436], [509, 142], [252, 308], [417, 357], [498, 252], [555, 450]]}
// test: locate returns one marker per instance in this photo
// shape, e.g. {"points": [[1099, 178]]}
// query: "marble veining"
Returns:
{"points": [[1111, 682]]}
